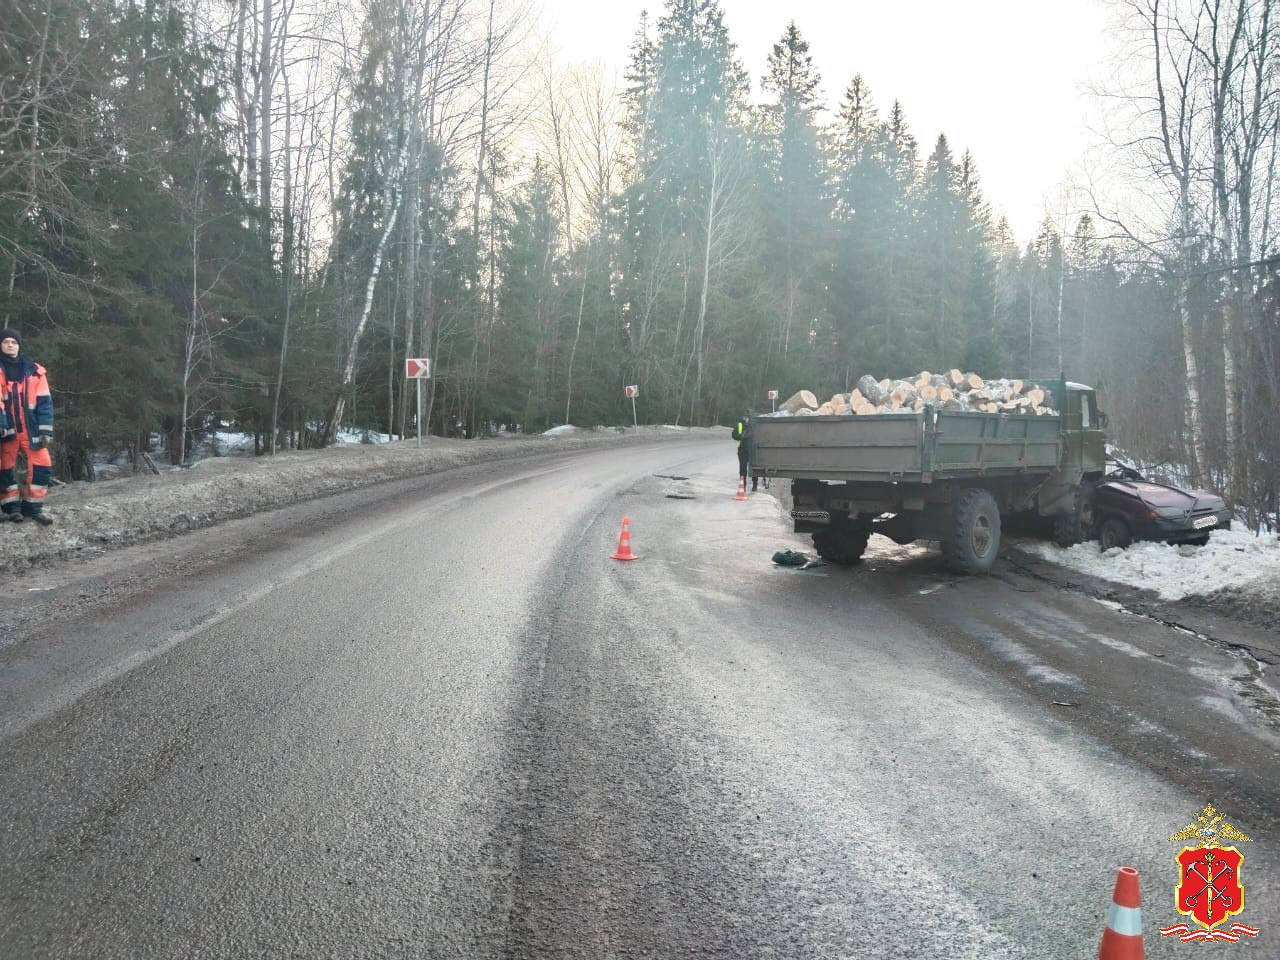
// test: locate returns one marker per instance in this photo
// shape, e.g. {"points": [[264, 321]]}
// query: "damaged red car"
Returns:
{"points": [[1128, 507]]}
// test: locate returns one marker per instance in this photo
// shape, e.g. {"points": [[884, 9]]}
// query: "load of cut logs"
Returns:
{"points": [[946, 391]]}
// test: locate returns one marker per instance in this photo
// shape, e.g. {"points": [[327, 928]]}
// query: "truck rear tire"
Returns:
{"points": [[1072, 528], [975, 533], [843, 544]]}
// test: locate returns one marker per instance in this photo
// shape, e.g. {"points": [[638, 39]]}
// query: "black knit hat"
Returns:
{"points": [[6, 334]]}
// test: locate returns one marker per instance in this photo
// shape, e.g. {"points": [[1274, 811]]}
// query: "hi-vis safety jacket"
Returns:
{"points": [[28, 403], [6, 425], [740, 431]]}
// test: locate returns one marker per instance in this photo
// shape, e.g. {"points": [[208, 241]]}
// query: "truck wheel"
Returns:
{"points": [[1114, 532], [975, 533], [1065, 531], [844, 544], [1072, 528]]}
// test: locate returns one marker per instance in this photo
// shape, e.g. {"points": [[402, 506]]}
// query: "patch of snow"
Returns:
{"points": [[362, 436], [1126, 648], [225, 441], [1231, 558], [1036, 669], [565, 429]]}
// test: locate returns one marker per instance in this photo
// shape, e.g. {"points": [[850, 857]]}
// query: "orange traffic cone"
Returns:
{"points": [[624, 543], [1122, 936], [742, 489]]}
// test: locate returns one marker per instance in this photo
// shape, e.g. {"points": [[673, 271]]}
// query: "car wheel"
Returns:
{"points": [[1198, 541], [1114, 532]]}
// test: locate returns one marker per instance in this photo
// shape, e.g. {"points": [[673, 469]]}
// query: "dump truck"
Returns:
{"points": [[942, 475]]}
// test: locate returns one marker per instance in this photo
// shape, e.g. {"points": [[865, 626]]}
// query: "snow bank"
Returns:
{"points": [[1232, 558]]}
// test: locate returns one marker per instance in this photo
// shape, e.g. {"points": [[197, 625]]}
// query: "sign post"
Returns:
{"points": [[633, 391], [418, 369], [773, 400]]}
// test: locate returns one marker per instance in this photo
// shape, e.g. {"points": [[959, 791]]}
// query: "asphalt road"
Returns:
{"points": [[434, 719]]}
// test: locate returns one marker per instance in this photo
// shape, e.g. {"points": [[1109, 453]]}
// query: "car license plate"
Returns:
{"points": [[1204, 523], [813, 516]]}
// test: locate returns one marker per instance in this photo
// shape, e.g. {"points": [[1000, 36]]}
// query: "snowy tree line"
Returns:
{"points": [[253, 210]]}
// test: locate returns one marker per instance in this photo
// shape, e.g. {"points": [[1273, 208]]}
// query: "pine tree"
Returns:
{"points": [[683, 215], [638, 98], [1082, 263], [857, 125], [526, 343], [981, 352], [875, 286], [943, 266], [796, 210]]}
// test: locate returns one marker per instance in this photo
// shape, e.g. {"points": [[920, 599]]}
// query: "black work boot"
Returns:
{"points": [[35, 511], [13, 517]]}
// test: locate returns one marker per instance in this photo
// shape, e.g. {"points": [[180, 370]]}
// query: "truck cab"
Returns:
{"points": [[1085, 440], [1066, 496]]}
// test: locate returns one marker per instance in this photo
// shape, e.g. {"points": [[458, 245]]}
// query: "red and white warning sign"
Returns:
{"points": [[633, 391], [773, 394], [417, 368]]}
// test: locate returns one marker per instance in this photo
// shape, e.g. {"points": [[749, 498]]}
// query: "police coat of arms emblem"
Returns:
{"points": [[1210, 886]]}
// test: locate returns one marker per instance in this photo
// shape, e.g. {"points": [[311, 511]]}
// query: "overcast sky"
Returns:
{"points": [[1006, 79]]}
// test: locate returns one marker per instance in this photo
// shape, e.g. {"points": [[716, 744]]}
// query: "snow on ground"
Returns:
{"points": [[230, 443], [568, 429], [1232, 558], [91, 517], [355, 436]]}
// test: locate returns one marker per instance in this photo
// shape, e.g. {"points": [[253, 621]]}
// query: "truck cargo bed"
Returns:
{"points": [[908, 448]]}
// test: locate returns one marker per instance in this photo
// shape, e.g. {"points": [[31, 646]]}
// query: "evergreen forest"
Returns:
{"points": [[249, 213]]}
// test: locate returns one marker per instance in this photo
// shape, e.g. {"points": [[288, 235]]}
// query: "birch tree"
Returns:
{"points": [[1166, 111], [1241, 87]]}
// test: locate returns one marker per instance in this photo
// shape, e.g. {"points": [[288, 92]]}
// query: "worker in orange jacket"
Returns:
{"points": [[29, 409], [6, 425]]}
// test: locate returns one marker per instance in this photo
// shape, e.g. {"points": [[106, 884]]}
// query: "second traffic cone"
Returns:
{"points": [[624, 543], [1122, 936], [742, 490]]}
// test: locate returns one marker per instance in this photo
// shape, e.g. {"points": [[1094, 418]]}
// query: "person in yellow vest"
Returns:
{"points": [[742, 434]]}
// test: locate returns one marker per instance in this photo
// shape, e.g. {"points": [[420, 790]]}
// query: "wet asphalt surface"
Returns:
{"points": [[434, 719]]}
